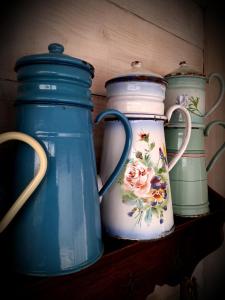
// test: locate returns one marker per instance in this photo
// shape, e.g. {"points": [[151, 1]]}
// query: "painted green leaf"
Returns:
{"points": [[120, 179], [194, 102], [148, 215], [191, 106], [140, 204], [151, 146], [161, 170], [146, 160], [155, 211], [195, 111], [121, 175], [146, 157], [129, 198]]}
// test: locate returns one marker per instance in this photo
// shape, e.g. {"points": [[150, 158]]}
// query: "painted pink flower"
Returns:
{"points": [[144, 136], [137, 178]]}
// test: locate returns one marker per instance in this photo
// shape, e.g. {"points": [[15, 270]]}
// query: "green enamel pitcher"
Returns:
{"points": [[187, 87], [188, 179]]}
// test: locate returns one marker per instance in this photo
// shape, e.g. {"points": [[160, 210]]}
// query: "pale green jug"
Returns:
{"points": [[188, 179], [186, 87]]}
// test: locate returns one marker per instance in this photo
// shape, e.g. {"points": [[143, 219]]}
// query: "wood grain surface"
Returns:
{"points": [[215, 63], [97, 31], [181, 18], [111, 34]]}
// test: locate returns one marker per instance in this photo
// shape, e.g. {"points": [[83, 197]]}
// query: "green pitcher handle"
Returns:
{"points": [[221, 94], [187, 133], [221, 149]]}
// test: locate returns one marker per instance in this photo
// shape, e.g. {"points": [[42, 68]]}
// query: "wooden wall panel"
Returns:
{"points": [[210, 272], [99, 105], [7, 108], [215, 62], [97, 31], [7, 150], [181, 18], [100, 32], [105, 35]]}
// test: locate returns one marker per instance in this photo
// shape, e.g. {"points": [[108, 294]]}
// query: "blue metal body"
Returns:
{"points": [[58, 231]]}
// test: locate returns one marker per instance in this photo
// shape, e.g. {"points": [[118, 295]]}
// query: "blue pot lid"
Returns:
{"points": [[55, 57], [184, 70]]}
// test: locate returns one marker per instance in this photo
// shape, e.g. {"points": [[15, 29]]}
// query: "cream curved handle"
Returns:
{"points": [[187, 133], [222, 90], [21, 200]]}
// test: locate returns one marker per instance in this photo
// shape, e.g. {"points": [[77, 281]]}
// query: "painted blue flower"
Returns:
{"points": [[155, 182], [130, 214], [163, 185]]}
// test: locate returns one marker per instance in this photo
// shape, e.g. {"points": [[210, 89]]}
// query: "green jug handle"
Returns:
{"points": [[221, 149], [222, 90]]}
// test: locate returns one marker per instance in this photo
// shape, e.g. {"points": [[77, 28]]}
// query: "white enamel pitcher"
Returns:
{"points": [[139, 205]]}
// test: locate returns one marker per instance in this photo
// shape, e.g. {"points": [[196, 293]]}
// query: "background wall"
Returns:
{"points": [[214, 61], [110, 34], [211, 271]]}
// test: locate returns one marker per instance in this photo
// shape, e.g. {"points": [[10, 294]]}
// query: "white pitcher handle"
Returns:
{"points": [[221, 94], [24, 196], [187, 132]]}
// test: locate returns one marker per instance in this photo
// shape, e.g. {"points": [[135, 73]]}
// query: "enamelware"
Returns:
{"points": [[139, 205], [188, 179], [137, 91], [58, 231], [187, 87], [174, 137]]}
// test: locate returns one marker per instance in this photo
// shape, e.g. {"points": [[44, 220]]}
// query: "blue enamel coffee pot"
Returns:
{"points": [[58, 231]]}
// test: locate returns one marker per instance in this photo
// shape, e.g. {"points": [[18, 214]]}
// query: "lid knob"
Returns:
{"points": [[185, 70], [182, 63], [136, 64], [55, 48]]}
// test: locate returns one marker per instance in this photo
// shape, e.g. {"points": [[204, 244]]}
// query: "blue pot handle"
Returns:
{"points": [[221, 149], [126, 149]]}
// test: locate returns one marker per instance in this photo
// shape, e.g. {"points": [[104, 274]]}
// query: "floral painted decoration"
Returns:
{"points": [[191, 103], [144, 184]]}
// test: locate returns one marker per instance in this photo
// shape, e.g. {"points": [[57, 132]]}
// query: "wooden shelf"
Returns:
{"points": [[129, 269]]}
